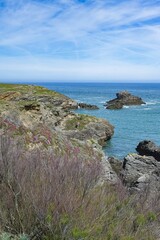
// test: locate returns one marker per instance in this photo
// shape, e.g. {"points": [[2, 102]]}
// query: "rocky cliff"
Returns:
{"points": [[43, 119], [51, 160], [140, 172]]}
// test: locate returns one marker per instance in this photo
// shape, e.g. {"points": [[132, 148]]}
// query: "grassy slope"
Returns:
{"points": [[24, 88]]}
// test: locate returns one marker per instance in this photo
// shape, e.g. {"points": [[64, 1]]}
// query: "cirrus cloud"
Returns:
{"points": [[56, 39]]}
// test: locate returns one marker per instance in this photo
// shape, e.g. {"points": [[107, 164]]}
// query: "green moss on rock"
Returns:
{"points": [[79, 122]]}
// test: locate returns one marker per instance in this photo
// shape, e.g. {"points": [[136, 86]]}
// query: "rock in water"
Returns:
{"points": [[149, 148], [88, 106], [124, 98]]}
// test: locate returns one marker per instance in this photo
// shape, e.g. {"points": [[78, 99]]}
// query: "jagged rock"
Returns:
{"points": [[87, 106], [116, 165], [124, 98], [84, 127], [149, 148], [141, 173], [109, 174], [114, 105], [56, 101]]}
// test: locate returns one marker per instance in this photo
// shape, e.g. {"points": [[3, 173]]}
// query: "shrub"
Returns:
{"points": [[45, 196], [8, 236]]}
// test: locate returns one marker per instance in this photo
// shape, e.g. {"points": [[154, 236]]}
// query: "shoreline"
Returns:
{"points": [[145, 123]]}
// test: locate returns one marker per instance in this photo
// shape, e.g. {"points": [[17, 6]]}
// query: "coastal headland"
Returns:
{"points": [[53, 172]]}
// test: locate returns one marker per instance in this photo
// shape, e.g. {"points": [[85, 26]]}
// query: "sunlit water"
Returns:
{"points": [[132, 124]]}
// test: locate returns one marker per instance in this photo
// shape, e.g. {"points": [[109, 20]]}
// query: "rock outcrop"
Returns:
{"points": [[116, 165], [88, 106], [34, 105], [149, 148], [141, 173], [84, 127], [44, 120], [124, 98], [108, 173]]}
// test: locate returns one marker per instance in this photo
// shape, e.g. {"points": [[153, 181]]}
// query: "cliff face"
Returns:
{"points": [[43, 119]]}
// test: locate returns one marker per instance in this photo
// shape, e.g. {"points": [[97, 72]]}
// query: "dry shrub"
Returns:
{"points": [[58, 197], [37, 186]]}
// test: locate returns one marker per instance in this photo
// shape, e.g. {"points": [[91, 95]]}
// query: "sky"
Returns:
{"points": [[80, 40]]}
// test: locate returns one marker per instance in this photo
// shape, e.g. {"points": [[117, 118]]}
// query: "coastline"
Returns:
{"points": [[142, 123], [40, 126]]}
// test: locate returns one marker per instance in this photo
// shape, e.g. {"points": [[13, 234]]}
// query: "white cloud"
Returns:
{"points": [[60, 70], [123, 36]]}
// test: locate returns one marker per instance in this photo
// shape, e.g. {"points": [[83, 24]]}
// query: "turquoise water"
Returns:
{"points": [[132, 124]]}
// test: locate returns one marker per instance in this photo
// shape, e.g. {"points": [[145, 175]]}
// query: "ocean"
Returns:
{"points": [[132, 124]]}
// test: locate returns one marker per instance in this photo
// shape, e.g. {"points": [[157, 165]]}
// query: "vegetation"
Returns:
{"points": [[23, 88], [51, 197], [79, 121]]}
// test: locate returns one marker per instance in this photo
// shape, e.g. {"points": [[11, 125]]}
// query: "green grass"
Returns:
{"points": [[13, 87], [79, 122], [28, 89]]}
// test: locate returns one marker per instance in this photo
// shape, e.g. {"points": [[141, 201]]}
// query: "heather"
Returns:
{"points": [[45, 195]]}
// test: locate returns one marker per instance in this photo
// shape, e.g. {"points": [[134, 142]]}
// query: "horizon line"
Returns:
{"points": [[61, 82]]}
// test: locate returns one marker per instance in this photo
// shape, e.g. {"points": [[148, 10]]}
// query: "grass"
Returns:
{"points": [[13, 87], [79, 122], [23, 88]]}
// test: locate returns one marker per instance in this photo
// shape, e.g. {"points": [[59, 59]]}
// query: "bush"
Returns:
{"points": [[45, 196], [8, 236]]}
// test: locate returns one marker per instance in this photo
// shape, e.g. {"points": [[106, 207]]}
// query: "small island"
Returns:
{"points": [[124, 98]]}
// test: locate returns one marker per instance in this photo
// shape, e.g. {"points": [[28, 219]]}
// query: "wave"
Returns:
{"points": [[143, 109], [147, 109], [125, 106], [152, 103]]}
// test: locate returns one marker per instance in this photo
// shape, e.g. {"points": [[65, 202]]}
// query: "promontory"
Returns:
{"points": [[44, 119]]}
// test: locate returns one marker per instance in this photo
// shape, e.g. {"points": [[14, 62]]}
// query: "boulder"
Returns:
{"points": [[149, 148], [141, 173], [124, 98]]}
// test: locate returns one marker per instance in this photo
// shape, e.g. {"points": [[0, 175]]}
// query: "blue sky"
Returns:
{"points": [[87, 40]]}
